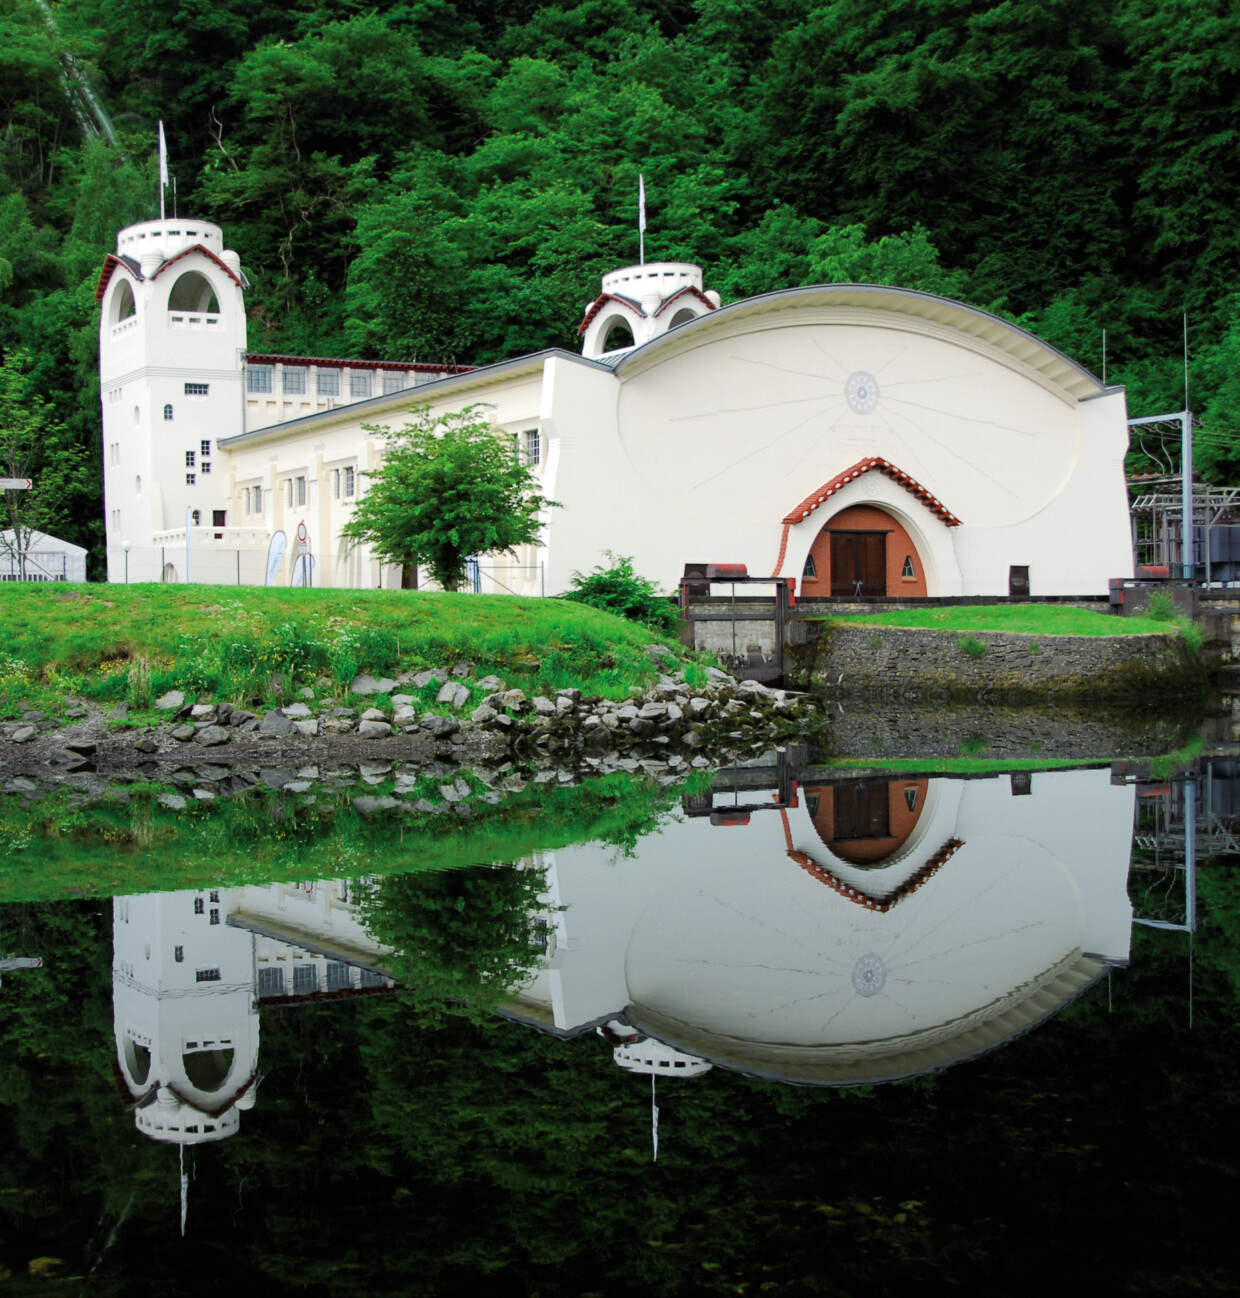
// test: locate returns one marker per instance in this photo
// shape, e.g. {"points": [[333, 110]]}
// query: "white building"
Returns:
{"points": [[191, 971], [859, 438], [869, 931]]}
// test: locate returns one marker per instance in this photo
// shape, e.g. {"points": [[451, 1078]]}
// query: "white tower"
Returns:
{"points": [[639, 303], [172, 341], [185, 1015]]}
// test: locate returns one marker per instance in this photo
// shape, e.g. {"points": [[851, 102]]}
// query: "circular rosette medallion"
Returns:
{"points": [[868, 975], [861, 392]]}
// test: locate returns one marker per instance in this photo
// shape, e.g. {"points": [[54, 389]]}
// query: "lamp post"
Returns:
{"points": [[126, 545]]}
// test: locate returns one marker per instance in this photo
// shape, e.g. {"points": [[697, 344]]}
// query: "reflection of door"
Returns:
{"points": [[858, 563], [861, 811]]}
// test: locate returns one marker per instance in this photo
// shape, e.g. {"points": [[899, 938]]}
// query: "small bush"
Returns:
{"points": [[1160, 607], [971, 645], [974, 746], [618, 589], [1034, 647]]}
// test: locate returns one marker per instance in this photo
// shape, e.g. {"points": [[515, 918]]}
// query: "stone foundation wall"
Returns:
{"points": [[918, 663], [923, 732]]}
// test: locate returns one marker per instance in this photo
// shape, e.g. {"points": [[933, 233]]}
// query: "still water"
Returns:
{"points": [[791, 1032]]}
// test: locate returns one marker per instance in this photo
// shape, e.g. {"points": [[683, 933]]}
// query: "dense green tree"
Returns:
{"points": [[449, 487]]}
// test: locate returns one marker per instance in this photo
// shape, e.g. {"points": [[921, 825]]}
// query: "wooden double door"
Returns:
{"points": [[858, 563]]}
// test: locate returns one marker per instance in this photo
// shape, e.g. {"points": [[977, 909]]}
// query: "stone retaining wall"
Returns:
{"points": [[919, 663], [923, 732]]}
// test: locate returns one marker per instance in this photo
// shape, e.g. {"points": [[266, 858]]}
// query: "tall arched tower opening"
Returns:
{"points": [[172, 339]]}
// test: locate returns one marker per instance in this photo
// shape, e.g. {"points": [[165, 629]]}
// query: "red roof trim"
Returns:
{"points": [[326, 362], [110, 264], [688, 288], [185, 252], [820, 872], [855, 895], [885, 467], [600, 302]]}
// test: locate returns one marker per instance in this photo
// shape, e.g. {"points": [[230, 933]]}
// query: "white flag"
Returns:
{"points": [[163, 157], [641, 203]]}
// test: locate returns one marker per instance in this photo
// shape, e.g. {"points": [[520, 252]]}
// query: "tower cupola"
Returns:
{"points": [[638, 303]]}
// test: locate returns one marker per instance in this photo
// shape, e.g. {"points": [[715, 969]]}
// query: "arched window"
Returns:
{"points": [[123, 304], [197, 517], [168, 411], [683, 316], [617, 334], [193, 293], [207, 1070]]}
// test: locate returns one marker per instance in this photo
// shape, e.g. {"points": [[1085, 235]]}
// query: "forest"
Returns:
{"points": [[445, 180]]}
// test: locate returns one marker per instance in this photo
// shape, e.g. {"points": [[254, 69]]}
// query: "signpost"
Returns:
{"points": [[16, 484]]}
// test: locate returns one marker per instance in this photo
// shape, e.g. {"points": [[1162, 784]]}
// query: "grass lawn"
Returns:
{"points": [[1023, 619], [227, 642]]}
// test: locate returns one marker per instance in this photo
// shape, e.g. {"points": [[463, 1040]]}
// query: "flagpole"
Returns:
{"points": [[641, 219], [163, 169]]}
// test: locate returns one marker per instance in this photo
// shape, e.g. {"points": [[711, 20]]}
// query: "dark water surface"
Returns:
{"points": [[904, 1030]]}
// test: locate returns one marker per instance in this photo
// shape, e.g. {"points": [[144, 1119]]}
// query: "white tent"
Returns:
{"points": [[48, 558]]}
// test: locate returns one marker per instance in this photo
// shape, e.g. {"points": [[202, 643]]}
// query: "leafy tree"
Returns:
{"points": [[34, 444], [618, 589], [450, 486]]}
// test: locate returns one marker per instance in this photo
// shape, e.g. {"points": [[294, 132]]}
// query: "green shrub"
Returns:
{"points": [[971, 645], [139, 691], [1034, 647], [1191, 632], [1160, 607], [974, 746], [618, 589]]}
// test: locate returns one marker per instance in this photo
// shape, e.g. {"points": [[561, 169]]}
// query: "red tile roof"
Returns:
{"points": [[885, 467]]}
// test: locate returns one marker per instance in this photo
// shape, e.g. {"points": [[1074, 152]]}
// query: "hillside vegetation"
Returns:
{"points": [[446, 179]]}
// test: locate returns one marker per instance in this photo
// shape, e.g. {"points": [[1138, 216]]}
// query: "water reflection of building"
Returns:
{"points": [[847, 931], [191, 971]]}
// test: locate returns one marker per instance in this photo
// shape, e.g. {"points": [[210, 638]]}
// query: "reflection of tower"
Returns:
{"points": [[190, 971], [637, 1053], [172, 338], [185, 1016]]}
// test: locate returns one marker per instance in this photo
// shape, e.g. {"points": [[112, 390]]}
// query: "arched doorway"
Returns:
{"points": [[863, 551], [866, 822]]}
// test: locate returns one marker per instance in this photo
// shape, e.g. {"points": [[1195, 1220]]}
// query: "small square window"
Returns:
{"points": [[359, 383], [393, 380], [215, 896], [206, 466], [294, 380], [270, 982], [178, 954], [190, 479], [328, 383], [200, 906], [205, 447], [215, 916], [189, 459], [258, 378], [305, 979]]}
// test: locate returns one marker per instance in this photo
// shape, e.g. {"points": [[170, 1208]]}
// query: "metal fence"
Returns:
{"points": [[215, 565]]}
